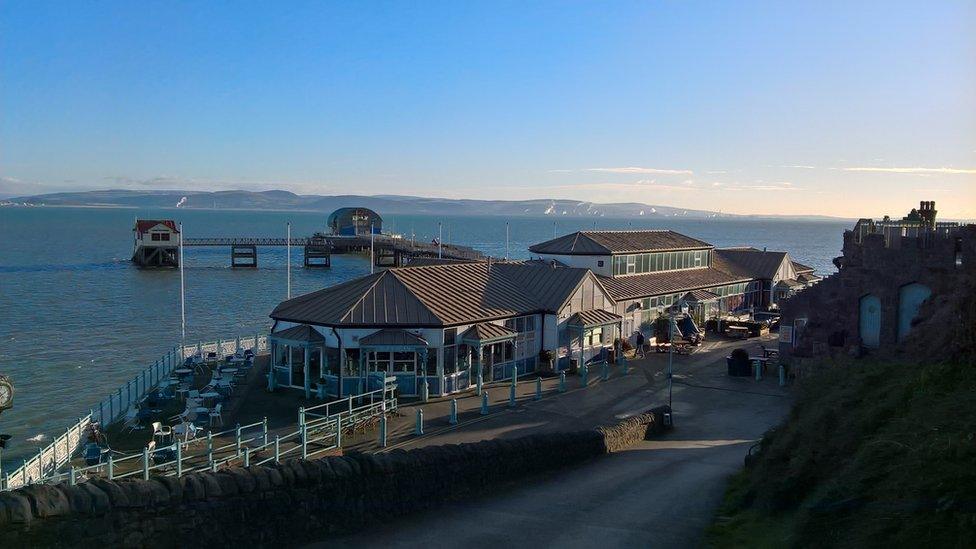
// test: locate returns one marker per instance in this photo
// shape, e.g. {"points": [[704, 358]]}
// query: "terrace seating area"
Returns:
{"points": [[188, 404]]}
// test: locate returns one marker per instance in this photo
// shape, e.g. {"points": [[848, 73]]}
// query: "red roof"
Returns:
{"points": [[143, 225]]}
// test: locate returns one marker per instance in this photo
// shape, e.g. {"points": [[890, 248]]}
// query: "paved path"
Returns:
{"points": [[661, 493]]}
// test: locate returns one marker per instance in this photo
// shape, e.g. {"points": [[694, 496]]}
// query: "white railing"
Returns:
{"points": [[317, 432], [50, 459]]}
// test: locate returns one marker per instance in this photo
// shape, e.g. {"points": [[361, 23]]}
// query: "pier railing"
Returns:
{"points": [[316, 433], [114, 407]]}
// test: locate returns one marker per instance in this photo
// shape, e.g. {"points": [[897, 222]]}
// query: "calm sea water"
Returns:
{"points": [[77, 319]]}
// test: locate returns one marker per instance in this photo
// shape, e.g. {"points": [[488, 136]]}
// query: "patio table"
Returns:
{"points": [[761, 361]]}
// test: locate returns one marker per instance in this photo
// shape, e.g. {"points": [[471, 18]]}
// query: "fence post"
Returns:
{"points": [[179, 460], [238, 441], [301, 415], [264, 428], [304, 441], [538, 388], [101, 412], [110, 467], [383, 432], [72, 480], [584, 374], [562, 382], [511, 396], [782, 376], [424, 389], [484, 403], [247, 457], [453, 419], [419, 428], [277, 448], [111, 411], [145, 463], [606, 370], [128, 394], [758, 367], [209, 446], [120, 404], [339, 431]]}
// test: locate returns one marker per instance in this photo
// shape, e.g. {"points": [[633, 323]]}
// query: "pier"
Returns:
{"points": [[157, 245]]}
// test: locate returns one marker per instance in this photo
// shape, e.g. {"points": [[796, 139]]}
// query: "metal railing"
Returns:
{"points": [[317, 432], [53, 457]]}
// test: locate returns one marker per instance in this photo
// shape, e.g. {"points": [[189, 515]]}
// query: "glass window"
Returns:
{"points": [[698, 258], [631, 264], [450, 360], [530, 324], [403, 361], [432, 363], [657, 262], [450, 335]]}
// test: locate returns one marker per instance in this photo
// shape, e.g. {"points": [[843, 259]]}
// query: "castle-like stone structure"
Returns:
{"points": [[888, 270]]}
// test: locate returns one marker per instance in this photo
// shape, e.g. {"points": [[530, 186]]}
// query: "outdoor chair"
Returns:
{"points": [[161, 432], [131, 419], [215, 415]]}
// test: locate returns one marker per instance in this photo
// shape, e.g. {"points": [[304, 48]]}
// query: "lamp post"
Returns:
{"points": [[674, 309]]}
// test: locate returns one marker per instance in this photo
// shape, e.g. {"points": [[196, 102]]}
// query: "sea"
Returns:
{"points": [[77, 318]]}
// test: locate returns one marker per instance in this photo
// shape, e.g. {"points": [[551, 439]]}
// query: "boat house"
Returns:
{"points": [[446, 324], [156, 243]]}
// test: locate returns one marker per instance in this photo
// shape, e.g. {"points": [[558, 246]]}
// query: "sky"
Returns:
{"points": [[836, 108]]}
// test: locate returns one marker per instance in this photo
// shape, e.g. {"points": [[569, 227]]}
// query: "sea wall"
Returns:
{"points": [[297, 500]]}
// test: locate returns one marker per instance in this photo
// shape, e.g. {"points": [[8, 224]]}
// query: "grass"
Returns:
{"points": [[873, 453]]}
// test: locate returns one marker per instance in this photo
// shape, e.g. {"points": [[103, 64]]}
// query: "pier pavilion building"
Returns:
{"points": [[446, 324], [156, 243], [355, 222]]}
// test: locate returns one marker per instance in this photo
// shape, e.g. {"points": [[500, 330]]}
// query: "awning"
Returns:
{"points": [[487, 332], [392, 338], [699, 296], [302, 334], [592, 318]]}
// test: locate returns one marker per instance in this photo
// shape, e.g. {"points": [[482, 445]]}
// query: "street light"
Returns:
{"points": [[672, 311]]}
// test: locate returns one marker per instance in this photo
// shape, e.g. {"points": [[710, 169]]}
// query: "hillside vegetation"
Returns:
{"points": [[876, 452]]}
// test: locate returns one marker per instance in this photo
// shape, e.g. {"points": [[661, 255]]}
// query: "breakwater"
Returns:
{"points": [[296, 500]]}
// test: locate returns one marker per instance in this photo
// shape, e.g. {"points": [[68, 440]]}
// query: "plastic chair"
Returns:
{"points": [[215, 414], [161, 431]]}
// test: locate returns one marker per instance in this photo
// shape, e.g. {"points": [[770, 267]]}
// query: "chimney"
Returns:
{"points": [[927, 212]]}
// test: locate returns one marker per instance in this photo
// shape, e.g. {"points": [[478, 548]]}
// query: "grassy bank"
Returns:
{"points": [[873, 453]]}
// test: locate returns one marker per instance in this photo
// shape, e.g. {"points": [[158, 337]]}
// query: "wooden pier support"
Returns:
{"points": [[244, 256], [318, 255], [156, 256], [386, 256]]}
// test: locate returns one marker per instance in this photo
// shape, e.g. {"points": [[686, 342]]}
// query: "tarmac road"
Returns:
{"points": [[662, 493]]}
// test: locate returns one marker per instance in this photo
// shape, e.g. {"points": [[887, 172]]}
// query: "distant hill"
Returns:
{"points": [[391, 204], [387, 204]]}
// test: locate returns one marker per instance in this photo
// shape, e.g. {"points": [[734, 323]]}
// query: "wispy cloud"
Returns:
{"points": [[925, 171], [796, 167], [640, 170]]}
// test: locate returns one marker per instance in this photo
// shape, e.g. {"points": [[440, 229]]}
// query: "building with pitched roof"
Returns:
{"points": [[449, 324], [156, 243]]}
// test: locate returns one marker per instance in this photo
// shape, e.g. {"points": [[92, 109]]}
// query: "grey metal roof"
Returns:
{"points": [[440, 295], [388, 336], [302, 333], [668, 282], [550, 286], [616, 242], [801, 268], [593, 317], [751, 261], [789, 283], [807, 277], [487, 331]]}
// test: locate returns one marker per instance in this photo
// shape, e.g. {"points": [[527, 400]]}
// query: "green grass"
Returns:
{"points": [[873, 453]]}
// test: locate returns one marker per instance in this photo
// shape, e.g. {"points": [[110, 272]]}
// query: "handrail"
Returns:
{"points": [[59, 452]]}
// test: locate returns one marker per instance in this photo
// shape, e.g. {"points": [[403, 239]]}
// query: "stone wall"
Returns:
{"points": [[831, 307], [297, 500]]}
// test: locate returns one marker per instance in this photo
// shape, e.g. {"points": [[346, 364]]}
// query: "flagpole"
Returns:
{"points": [[182, 298], [506, 241], [440, 240], [288, 257], [372, 258]]}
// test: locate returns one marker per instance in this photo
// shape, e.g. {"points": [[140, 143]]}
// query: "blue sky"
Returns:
{"points": [[846, 108]]}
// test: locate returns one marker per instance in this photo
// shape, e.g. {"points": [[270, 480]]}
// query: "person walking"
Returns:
{"points": [[639, 341]]}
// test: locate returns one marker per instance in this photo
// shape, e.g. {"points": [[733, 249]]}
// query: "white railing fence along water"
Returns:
{"points": [[317, 432], [50, 459]]}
